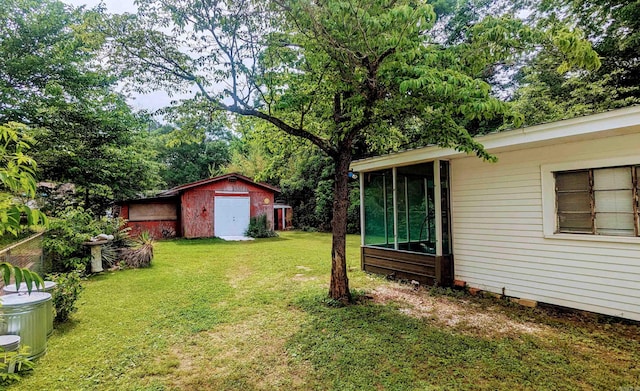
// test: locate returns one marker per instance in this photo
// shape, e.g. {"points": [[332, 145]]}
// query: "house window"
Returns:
{"points": [[600, 201]]}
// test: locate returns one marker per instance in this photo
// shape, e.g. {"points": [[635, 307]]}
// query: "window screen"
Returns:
{"points": [[574, 202], [614, 197], [602, 201]]}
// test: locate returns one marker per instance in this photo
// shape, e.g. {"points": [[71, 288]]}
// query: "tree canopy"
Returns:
{"points": [[614, 30], [51, 79], [346, 76]]}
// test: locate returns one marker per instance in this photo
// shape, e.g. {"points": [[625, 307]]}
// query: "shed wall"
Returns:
{"points": [[163, 223], [198, 206], [499, 242]]}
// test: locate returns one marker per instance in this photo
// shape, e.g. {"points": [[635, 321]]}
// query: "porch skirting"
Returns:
{"points": [[427, 269]]}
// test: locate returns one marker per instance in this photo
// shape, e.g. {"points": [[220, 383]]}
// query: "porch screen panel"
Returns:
{"points": [[388, 188], [416, 209], [636, 179], [375, 209], [403, 219]]}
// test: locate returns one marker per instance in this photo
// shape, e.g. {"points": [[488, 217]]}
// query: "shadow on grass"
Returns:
{"points": [[66, 326], [370, 347], [217, 241]]}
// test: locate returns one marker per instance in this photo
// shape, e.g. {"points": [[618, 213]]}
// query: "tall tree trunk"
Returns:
{"points": [[339, 287]]}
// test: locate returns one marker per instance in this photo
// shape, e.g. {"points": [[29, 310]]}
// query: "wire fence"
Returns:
{"points": [[26, 254]]}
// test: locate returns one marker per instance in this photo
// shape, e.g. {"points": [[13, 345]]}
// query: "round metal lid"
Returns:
{"points": [[18, 299], [11, 288], [9, 342]]}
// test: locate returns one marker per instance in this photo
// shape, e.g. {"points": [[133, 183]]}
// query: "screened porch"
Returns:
{"points": [[405, 222]]}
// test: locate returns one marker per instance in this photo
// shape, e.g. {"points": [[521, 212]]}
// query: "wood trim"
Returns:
{"points": [[610, 123], [362, 217], [227, 193], [424, 268], [636, 190], [437, 201]]}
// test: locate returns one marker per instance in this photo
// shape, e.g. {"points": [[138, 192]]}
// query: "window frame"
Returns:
{"points": [[549, 200], [592, 194]]}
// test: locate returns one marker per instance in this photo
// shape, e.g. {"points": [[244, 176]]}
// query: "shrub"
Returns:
{"points": [[68, 230], [16, 360], [66, 292], [259, 228], [142, 254]]}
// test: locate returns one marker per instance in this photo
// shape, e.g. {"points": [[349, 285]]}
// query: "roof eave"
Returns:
{"points": [[626, 120]]}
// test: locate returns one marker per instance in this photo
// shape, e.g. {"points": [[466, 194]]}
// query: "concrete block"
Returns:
{"points": [[459, 283], [474, 291], [528, 303]]}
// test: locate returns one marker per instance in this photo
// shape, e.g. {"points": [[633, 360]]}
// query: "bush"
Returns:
{"points": [[142, 254], [259, 228], [64, 295], [63, 246], [18, 361]]}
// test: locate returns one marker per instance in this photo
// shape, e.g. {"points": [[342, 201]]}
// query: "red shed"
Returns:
{"points": [[219, 206]]}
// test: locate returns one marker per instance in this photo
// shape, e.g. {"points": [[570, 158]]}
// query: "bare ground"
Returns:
{"points": [[460, 314]]}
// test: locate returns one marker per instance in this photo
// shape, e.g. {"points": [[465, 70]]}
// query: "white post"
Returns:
{"points": [[437, 202], [395, 208], [96, 258], [362, 222]]}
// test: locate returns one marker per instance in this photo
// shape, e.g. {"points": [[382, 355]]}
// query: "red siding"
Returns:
{"points": [[198, 207], [124, 211], [157, 229], [197, 213]]}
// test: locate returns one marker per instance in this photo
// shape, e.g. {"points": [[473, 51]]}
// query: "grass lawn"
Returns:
{"points": [[212, 315]]}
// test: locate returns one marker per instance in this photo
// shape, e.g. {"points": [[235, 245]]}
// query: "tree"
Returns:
{"points": [[189, 161], [614, 29], [50, 80], [100, 146], [342, 75], [17, 180]]}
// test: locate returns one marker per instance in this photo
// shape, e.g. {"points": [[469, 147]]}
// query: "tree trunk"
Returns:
{"points": [[339, 287]]}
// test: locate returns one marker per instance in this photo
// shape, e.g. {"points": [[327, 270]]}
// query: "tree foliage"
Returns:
{"points": [[17, 181], [194, 146], [614, 30], [345, 76], [51, 80]]}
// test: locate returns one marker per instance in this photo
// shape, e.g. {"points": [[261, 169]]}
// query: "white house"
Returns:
{"points": [[555, 220]]}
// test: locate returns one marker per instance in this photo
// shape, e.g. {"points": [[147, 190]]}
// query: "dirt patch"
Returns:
{"points": [[305, 268], [462, 316], [303, 278], [250, 355], [238, 275]]}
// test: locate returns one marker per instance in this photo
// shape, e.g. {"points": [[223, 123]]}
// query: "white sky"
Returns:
{"points": [[113, 6], [152, 101]]}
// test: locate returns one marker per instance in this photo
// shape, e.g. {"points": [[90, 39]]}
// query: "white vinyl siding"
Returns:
{"points": [[503, 240]]}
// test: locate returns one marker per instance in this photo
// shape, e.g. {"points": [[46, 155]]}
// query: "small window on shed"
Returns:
{"points": [[151, 212]]}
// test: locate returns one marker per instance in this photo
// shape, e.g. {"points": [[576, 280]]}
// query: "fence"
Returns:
{"points": [[26, 254]]}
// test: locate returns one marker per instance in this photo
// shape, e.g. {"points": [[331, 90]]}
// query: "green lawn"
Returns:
{"points": [[211, 315]]}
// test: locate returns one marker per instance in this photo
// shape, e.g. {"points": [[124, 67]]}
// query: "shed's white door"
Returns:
{"points": [[231, 216]]}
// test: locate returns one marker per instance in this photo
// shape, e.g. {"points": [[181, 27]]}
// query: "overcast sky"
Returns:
{"points": [[152, 101]]}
